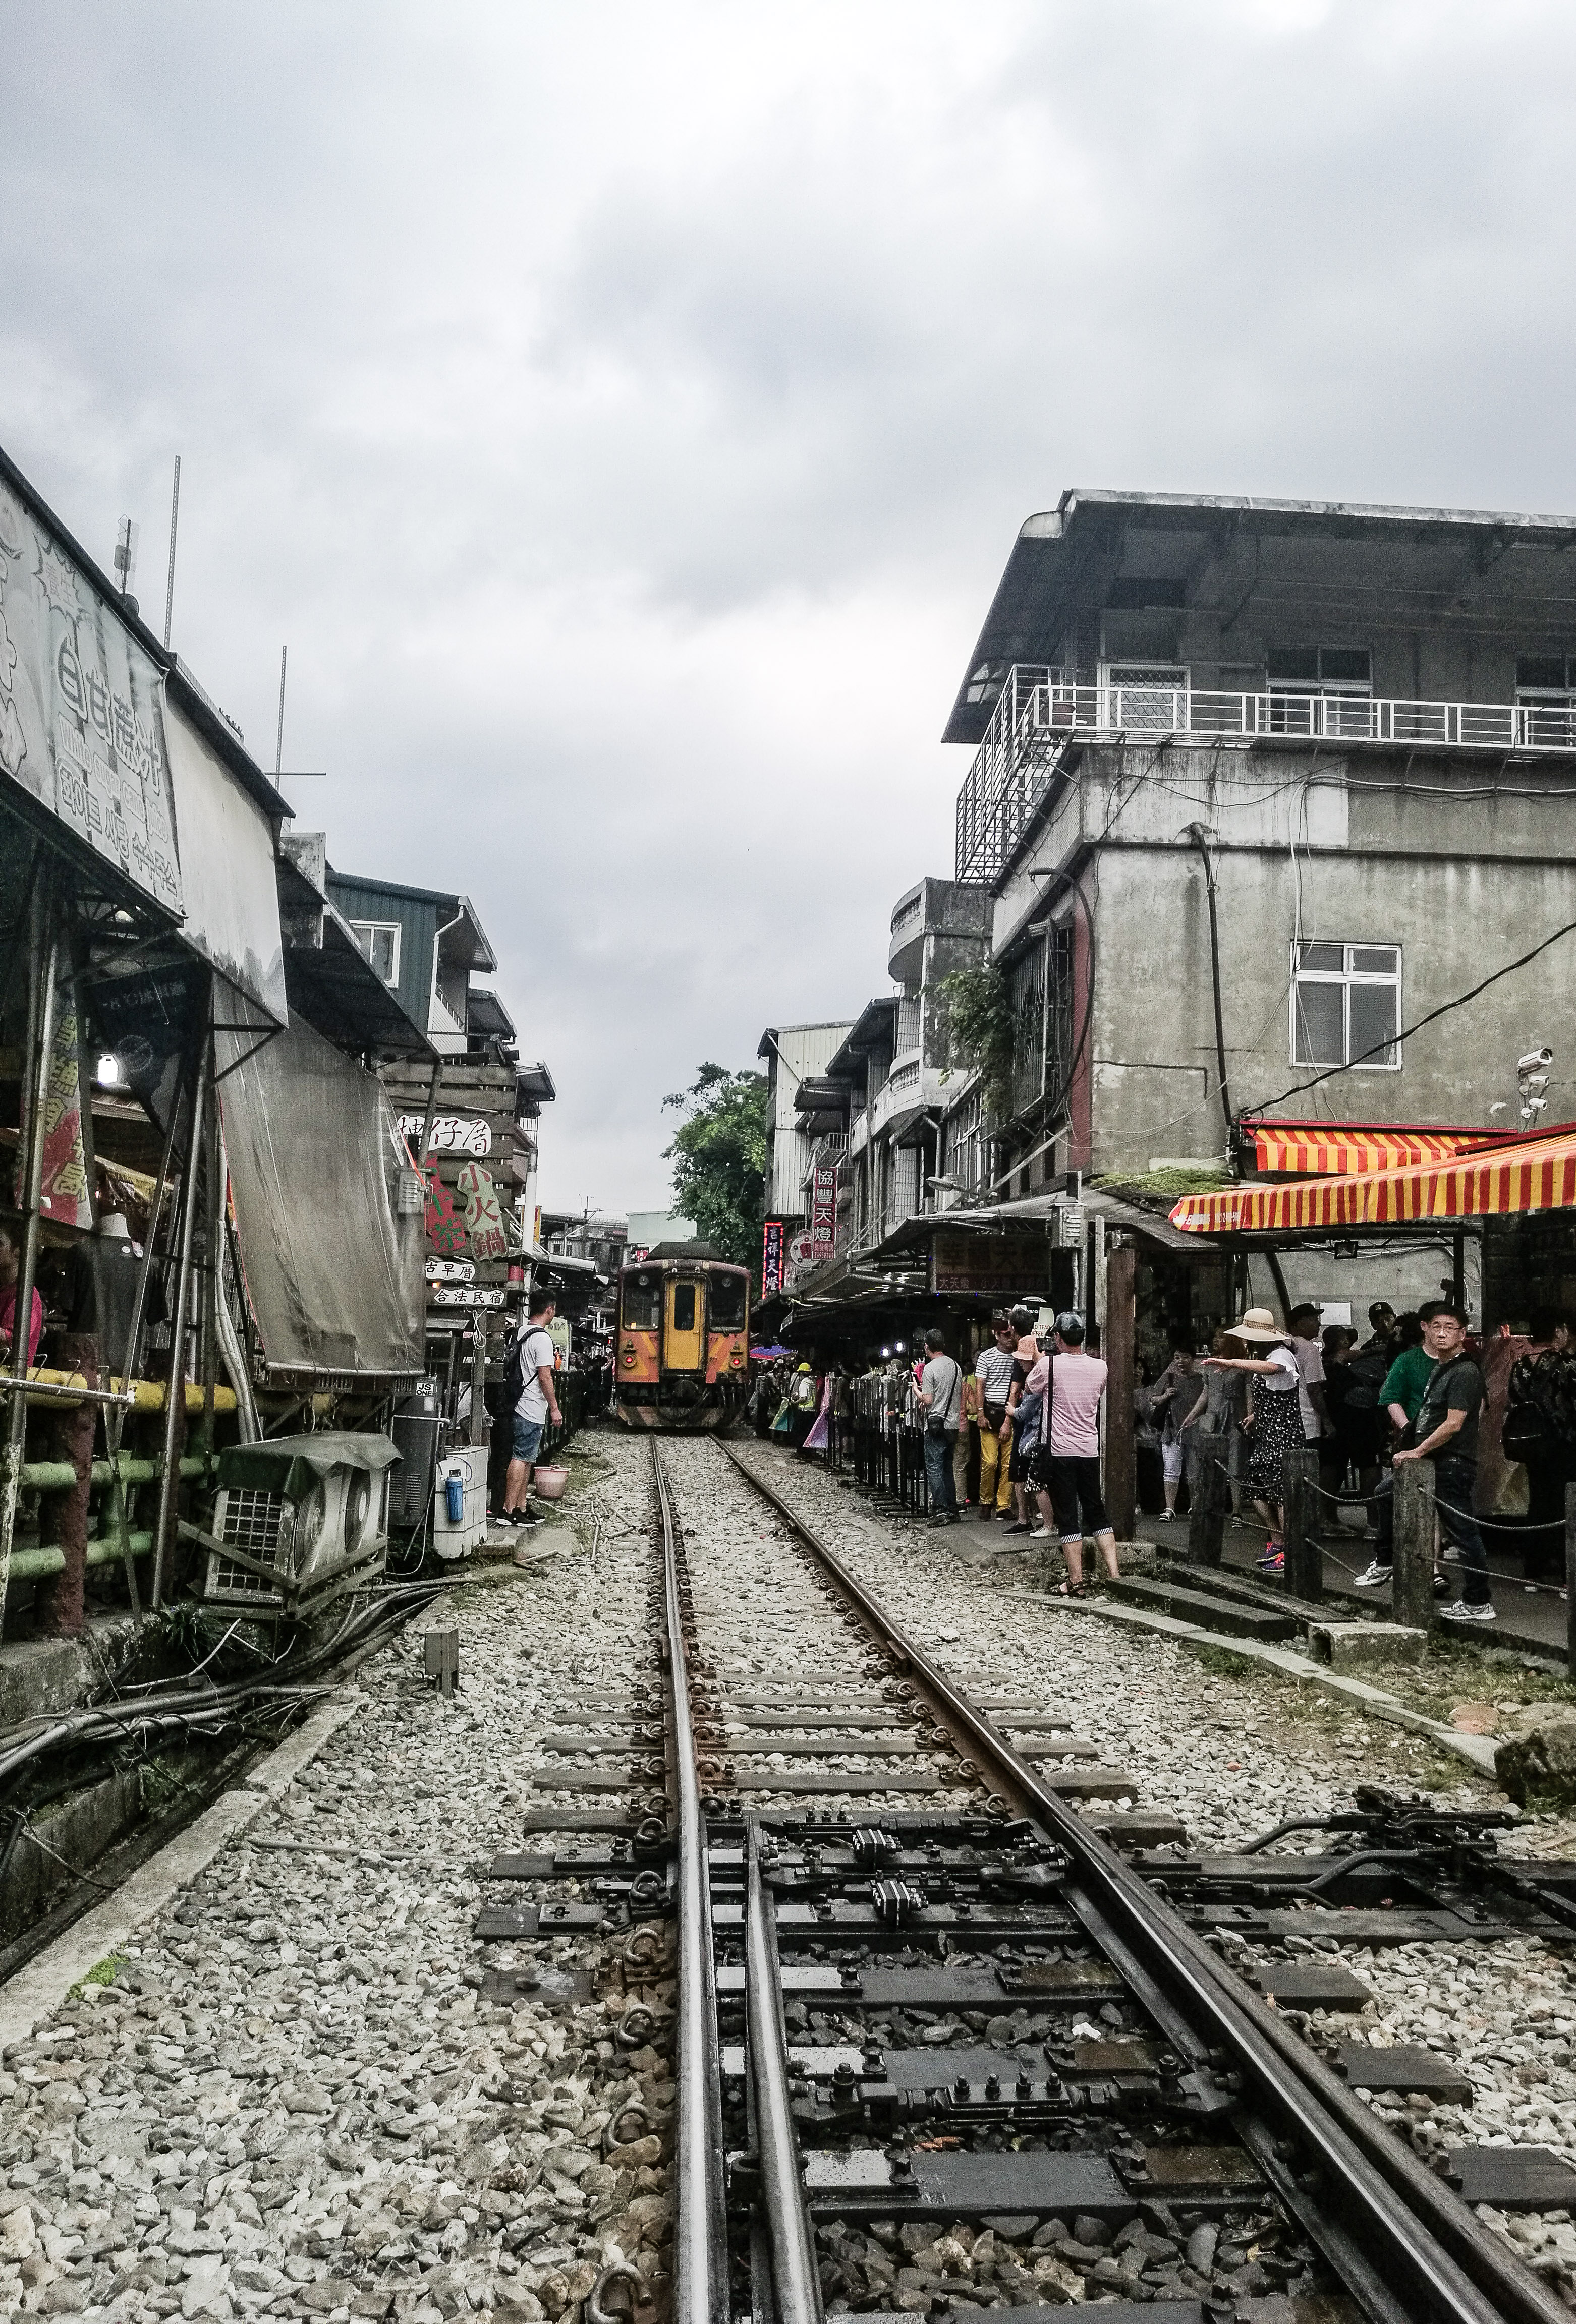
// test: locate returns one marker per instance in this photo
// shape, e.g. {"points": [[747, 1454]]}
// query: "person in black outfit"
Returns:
{"points": [[1539, 1431]]}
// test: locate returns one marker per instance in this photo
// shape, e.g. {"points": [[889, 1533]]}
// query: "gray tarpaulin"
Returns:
{"points": [[226, 858], [333, 1273], [292, 1465]]}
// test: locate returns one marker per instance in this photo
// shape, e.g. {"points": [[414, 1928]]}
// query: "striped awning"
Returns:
{"points": [[1342, 1149], [1494, 1181]]}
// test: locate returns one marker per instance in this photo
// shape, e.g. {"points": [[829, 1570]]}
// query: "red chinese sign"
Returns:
{"points": [[823, 1216], [772, 1259]]}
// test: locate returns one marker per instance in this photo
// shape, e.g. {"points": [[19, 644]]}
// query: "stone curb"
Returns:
{"points": [[1478, 1750], [44, 1982]]}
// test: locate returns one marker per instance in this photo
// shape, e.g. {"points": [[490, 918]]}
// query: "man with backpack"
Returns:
{"points": [[940, 1396], [530, 1396]]}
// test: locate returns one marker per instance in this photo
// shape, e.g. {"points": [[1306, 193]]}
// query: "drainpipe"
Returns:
{"points": [[1201, 839]]}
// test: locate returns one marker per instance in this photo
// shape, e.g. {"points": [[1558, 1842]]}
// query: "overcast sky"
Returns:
{"points": [[625, 411]]}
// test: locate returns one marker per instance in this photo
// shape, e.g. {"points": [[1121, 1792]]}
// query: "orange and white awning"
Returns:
{"points": [[1342, 1149], [1493, 1179]]}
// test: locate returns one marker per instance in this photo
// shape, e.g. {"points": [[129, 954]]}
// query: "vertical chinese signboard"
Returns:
{"points": [[772, 1259], [824, 1216]]}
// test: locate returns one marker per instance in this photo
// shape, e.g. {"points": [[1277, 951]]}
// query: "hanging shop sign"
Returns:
{"points": [[81, 709], [988, 1266], [823, 1216], [484, 1218], [797, 1256], [464, 1294], [772, 1257], [451, 1270], [445, 1227], [63, 1195], [452, 1133]]}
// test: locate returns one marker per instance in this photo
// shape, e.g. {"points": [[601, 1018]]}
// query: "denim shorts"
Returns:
{"points": [[527, 1437]]}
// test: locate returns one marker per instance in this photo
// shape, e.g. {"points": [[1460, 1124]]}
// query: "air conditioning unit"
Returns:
{"points": [[297, 1522]]}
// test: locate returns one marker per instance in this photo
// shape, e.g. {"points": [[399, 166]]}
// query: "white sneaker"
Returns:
{"points": [[1374, 1578], [1461, 1613], [1041, 1533]]}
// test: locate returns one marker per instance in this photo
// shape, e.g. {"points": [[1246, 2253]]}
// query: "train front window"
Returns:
{"points": [[683, 1306], [725, 1303], [643, 1303]]}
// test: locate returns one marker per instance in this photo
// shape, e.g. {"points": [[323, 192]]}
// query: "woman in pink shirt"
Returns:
{"points": [[1068, 1462], [10, 1269]]}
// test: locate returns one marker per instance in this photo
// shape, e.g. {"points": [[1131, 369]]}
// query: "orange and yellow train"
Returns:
{"points": [[682, 1354]]}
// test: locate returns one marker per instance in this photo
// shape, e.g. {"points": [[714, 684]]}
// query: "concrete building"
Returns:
{"points": [[791, 1052], [1258, 787]]}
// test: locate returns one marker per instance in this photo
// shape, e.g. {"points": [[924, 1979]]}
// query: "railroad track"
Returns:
{"points": [[938, 2042]]}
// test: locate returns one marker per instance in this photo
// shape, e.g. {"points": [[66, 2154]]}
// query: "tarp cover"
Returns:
{"points": [[1346, 1148], [226, 860], [1526, 1175], [334, 1274], [291, 1465]]}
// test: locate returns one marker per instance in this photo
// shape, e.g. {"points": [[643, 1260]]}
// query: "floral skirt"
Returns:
{"points": [[1277, 1429]]}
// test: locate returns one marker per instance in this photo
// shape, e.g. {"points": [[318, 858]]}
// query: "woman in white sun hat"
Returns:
{"points": [[1273, 1425]]}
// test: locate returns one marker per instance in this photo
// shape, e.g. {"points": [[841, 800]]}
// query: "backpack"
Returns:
{"points": [[501, 1395]]}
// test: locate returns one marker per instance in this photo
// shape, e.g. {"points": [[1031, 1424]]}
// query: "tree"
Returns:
{"points": [[718, 1155], [982, 1035]]}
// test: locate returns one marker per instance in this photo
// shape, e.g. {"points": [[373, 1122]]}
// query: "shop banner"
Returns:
{"points": [[797, 1256], [64, 1196], [772, 1259], [484, 1223], [81, 709], [990, 1266], [824, 1216], [451, 1133]]}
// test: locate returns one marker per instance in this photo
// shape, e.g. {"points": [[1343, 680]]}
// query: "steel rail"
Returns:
{"points": [[1422, 2248], [701, 2228], [795, 2278]]}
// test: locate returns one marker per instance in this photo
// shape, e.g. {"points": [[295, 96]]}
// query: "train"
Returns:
{"points": [[682, 1350]]}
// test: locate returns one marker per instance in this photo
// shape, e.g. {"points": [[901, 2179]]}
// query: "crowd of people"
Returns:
{"points": [[1012, 1435]]}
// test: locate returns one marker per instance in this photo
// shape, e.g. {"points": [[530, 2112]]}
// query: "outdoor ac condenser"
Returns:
{"points": [[297, 1521]]}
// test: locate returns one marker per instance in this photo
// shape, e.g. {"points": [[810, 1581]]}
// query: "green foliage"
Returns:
{"points": [[104, 1972], [718, 1155], [981, 1034], [1207, 1179]]}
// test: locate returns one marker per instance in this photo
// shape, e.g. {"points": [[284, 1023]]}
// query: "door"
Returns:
{"points": [[686, 1337]]}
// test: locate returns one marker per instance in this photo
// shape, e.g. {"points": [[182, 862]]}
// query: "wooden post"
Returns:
{"points": [[1212, 1497], [1412, 1592], [1121, 1456], [1571, 1577], [1300, 1496]]}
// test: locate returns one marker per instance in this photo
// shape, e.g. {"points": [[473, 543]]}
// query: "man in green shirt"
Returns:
{"points": [[1408, 1376]]}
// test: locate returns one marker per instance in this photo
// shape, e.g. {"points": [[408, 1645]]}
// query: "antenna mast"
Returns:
{"points": [[279, 739], [169, 584]]}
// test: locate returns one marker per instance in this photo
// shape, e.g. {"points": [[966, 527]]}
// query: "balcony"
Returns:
{"points": [[1038, 714], [935, 908]]}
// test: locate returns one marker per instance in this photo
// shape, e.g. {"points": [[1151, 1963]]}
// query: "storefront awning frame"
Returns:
{"points": [[1497, 1180]]}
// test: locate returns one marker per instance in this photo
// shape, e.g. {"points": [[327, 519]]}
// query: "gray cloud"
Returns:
{"points": [[625, 413]]}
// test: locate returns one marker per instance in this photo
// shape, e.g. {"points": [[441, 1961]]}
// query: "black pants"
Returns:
{"points": [[1453, 1481], [1073, 1482]]}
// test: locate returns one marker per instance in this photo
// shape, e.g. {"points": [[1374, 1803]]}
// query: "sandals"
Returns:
{"points": [[1071, 1589]]}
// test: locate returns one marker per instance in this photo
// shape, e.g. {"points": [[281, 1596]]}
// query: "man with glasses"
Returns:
{"points": [[1447, 1433]]}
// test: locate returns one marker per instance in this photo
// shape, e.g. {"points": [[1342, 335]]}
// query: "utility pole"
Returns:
{"points": [[279, 738]]}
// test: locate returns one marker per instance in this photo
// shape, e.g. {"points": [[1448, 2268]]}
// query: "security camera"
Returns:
{"points": [[1534, 1060]]}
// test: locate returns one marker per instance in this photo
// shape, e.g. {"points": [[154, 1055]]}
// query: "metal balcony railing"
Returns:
{"points": [[1037, 715]]}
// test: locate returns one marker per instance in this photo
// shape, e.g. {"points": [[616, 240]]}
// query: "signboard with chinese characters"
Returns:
{"points": [[484, 1220], [990, 1266], [772, 1257], [451, 1270], [464, 1294], [823, 1216], [452, 1133], [797, 1256], [81, 709]]}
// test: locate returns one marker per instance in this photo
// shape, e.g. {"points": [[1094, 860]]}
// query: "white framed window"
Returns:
{"points": [[1321, 690], [1147, 694], [1545, 690], [380, 941], [1346, 1004]]}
